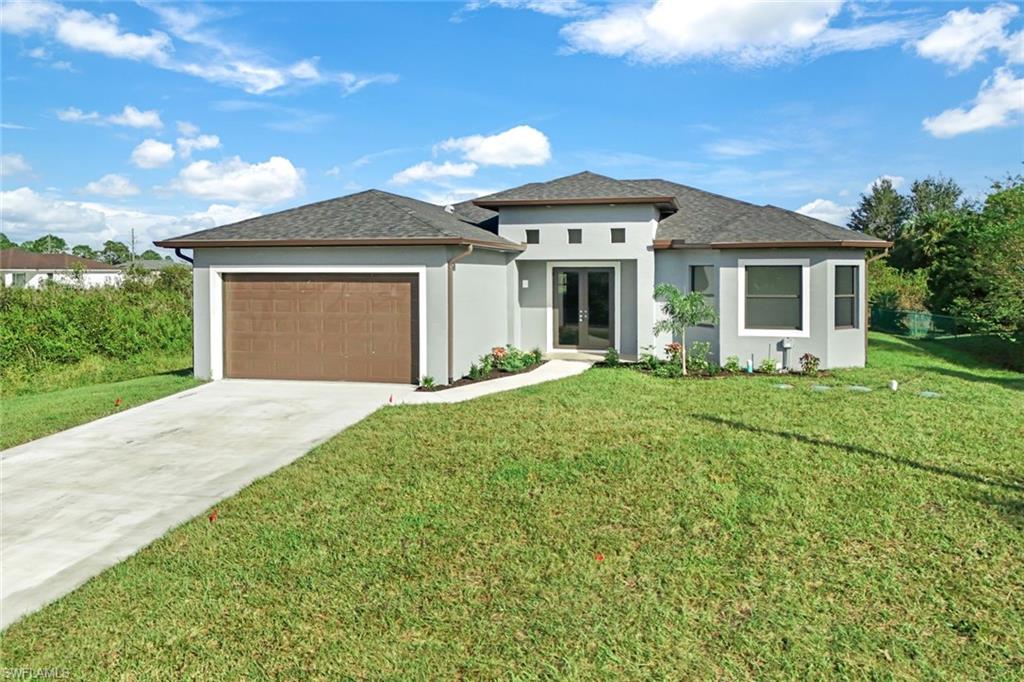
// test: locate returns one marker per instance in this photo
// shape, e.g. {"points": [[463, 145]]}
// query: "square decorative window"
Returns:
{"points": [[846, 303], [618, 235], [575, 236], [774, 297], [700, 282], [533, 236]]}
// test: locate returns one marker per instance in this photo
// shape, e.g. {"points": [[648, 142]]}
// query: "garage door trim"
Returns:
{"points": [[216, 301]]}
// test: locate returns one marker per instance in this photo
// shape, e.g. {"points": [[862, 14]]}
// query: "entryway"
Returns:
{"points": [[584, 308]]}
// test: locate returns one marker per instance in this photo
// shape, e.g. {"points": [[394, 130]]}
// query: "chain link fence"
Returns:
{"points": [[916, 324]]}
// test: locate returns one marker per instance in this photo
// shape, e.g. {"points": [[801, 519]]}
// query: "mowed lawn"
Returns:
{"points": [[609, 525], [47, 402]]}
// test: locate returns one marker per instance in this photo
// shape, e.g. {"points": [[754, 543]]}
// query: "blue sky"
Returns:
{"points": [[168, 118]]}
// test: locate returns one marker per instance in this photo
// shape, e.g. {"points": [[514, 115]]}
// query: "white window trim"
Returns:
{"points": [[217, 300], [550, 308], [861, 311], [805, 297]]}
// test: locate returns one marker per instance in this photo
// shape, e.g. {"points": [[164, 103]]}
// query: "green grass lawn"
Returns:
{"points": [[57, 399], [609, 525]]}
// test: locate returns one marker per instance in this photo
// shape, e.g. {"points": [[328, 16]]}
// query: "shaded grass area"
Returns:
{"points": [[63, 397], [612, 524]]}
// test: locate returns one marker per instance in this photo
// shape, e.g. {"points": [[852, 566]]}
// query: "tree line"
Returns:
{"points": [[113, 252], [951, 254]]}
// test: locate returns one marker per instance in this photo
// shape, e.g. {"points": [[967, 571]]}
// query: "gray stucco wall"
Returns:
{"points": [[835, 347], [481, 305], [533, 304], [431, 260]]}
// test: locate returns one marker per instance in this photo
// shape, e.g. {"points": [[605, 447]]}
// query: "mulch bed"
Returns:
{"points": [[494, 374], [720, 375]]}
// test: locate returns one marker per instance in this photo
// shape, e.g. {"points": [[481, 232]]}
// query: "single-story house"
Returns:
{"points": [[21, 268], [375, 286], [153, 266]]}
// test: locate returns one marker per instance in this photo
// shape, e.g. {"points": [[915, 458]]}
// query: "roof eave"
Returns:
{"points": [[498, 203], [661, 244], [186, 243]]}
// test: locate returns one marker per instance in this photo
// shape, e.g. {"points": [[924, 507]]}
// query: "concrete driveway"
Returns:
{"points": [[80, 501]]}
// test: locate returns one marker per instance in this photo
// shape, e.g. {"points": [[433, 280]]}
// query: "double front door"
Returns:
{"points": [[584, 308]]}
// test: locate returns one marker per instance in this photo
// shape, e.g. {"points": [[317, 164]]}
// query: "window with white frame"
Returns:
{"points": [[846, 303], [774, 297]]}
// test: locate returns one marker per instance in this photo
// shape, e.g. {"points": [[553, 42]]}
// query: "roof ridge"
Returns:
{"points": [[386, 196]]}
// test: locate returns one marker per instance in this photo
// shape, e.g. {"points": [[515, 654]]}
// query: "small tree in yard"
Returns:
{"points": [[681, 312]]}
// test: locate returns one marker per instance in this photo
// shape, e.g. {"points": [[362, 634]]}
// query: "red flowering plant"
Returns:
{"points": [[674, 350], [499, 353]]}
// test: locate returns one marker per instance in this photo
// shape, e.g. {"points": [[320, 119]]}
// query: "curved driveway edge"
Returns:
{"points": [[80, 501]]}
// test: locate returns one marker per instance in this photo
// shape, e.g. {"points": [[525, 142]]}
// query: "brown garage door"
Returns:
{"points": [[321, 326]]}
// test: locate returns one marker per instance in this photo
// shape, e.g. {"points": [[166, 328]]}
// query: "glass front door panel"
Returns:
{"points": [[568, 296], [599, 313]]}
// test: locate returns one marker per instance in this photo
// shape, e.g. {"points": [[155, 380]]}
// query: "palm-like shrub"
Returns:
{"points": [[681, 311]]}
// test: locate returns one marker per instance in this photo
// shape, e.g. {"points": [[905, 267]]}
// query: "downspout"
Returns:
{"points": [[179, 254], [451, 310], [867, 305]]}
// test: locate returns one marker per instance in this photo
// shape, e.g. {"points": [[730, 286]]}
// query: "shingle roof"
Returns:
{"points": [[578, 188], [19, 259], [370, 216], [707, 218]]}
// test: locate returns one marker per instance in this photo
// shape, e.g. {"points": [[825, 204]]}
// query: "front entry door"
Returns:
{"points": [[583, 307]]}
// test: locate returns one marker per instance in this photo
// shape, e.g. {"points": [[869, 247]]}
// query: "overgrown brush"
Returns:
{"points": [[59, 325]]}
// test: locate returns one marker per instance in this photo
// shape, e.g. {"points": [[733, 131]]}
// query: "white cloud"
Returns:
{"points": [[27, 214], [738, 148], [14, 126], [187, 129], [13, 164], [232, 179], [187, 145], [556, 8], [28, 17], [453, 195], [428, 170], [519, 146], [965, 37], [112, 185], [133, 118], [152, 154], [209, 57], [86, 31], [1000, 102], [826, 210], [74, 115], [896, 180], [734, 31], [333, 171]]}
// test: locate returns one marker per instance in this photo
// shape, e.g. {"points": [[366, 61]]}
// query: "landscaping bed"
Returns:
{"points": [[502, 361]]}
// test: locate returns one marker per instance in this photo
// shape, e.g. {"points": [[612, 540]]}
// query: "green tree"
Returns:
{"points": [[150, 254], [48, 243], [5, 243], [682, 311], [83, 251], [934, 194], [995, 301], [115, 253], [882, 212]]}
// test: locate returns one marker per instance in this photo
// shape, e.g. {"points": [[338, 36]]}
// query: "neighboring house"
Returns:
{"points": [[20, 268], [153, 265], [379, 287]]}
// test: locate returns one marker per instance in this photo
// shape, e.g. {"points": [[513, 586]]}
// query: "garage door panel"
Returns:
{"points": [[321, 326]]}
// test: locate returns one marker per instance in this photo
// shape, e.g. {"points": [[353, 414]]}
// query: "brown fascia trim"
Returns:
{"points": [[497, 203], [660, 244], [416, 241]]}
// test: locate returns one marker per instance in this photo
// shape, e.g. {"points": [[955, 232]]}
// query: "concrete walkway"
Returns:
{"points": [[80, 501], [549, 371]]}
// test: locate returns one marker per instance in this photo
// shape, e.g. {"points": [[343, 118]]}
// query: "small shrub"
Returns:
{"points": [[732, 365], [810, 363], [428, 382], [673, 351], [669, 370], [697, 359], [767, 366], [499, 353], [507, 359], [611, 357], [475, 372], [648, 360], [538, 356]]}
